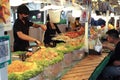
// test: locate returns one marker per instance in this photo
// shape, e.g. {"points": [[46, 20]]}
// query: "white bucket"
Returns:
{"points": [[76, 13], [54, 15]]}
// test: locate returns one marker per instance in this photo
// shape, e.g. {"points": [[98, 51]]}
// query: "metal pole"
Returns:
{"points": [[115, 22], [107, 19]]}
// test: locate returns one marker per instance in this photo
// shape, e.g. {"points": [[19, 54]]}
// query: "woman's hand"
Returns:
{"points": [[38, 42], [43, 26]]}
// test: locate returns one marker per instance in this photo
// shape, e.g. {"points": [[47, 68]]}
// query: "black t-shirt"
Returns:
{"points": [[19, 44], [116, 54], [49, 33]]}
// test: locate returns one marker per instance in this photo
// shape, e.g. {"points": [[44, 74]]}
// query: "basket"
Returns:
{"points": [[54, 15]]}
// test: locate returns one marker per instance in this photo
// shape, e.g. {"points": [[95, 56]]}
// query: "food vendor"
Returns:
{"points": [[21, 29], [76, 25], [51, 31]]}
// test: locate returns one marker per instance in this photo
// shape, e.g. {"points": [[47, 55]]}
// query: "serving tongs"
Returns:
{"points": [[30, 50], [34, 48]]}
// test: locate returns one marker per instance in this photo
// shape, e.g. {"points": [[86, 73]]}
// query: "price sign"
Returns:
{"points": [[84, 16], [5, 55]]}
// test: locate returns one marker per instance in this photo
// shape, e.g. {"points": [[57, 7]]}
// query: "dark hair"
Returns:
{"points": [[113, 33], [22, 9], [48, 17], [77, 18]]}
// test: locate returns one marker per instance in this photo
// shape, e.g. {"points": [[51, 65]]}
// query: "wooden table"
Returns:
{"points": [[87, 68]]}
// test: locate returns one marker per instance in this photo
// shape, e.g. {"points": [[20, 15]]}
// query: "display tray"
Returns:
{"points": [[55, 71], [50, 61]]}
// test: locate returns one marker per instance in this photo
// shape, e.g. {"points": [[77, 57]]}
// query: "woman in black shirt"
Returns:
{"points": [[51, 31]]}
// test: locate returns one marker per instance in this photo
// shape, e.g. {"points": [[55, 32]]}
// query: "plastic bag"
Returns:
{"points": [[98, 46]]}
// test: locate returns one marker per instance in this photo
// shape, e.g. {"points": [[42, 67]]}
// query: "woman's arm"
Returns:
{"points": [[57, 29], [42, 26]]}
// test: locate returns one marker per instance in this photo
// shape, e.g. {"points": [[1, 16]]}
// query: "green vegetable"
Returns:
{"points": [[18, 52], [14, 76]]}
